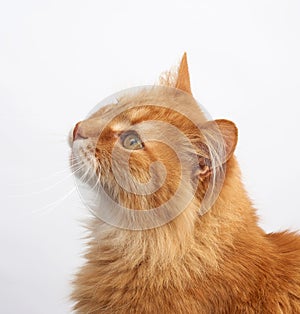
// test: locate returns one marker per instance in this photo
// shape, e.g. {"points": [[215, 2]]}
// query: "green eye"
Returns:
{"points": [[131, 140]]}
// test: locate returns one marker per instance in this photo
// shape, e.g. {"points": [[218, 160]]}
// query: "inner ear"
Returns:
{"points": [[216, 145], [204, 169]]}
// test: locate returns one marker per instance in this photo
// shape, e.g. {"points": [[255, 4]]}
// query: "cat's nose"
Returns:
{"points": [[76, 132]]}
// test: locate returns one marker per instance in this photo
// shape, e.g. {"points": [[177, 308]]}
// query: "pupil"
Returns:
{"points": [[133, 141]]}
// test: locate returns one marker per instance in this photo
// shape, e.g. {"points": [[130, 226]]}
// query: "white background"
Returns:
{"points": [[60, 58]]}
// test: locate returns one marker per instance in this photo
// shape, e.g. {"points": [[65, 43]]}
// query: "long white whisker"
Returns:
{"points": [[98, 177], [97, 185], [44, 178], [55, 203], [48, 188], [85, 175]]}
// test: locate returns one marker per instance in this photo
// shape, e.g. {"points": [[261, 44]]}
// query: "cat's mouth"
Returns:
{"points": [[82, 159]]}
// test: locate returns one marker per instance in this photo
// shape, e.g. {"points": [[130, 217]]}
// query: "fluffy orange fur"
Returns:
{"points": [[219, 262]]}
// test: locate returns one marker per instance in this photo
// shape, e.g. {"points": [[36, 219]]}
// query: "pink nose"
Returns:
{"points": [[76, 132]]}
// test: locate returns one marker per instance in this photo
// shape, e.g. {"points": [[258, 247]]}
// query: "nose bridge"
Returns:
{"points": [[86, 129]]}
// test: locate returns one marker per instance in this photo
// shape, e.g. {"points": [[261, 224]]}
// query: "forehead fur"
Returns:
{"points": [[165, 97], [154, 103]]}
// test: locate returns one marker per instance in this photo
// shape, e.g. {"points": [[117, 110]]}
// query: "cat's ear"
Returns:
{"points": [[216, 146], [183, 76]]}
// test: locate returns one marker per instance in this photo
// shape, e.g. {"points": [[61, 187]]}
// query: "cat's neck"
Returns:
{"points": [[203, 237]]}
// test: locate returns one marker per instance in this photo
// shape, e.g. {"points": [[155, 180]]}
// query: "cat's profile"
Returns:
{"points": [[215, 261]]}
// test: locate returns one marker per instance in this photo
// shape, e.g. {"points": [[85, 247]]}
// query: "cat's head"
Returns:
{"points": [[151, 154]]}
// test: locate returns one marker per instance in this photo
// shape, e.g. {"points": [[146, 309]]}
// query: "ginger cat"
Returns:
{"points": [[183, 259]]}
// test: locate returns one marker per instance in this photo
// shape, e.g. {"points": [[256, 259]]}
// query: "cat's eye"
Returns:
{"points": [[131, 140]]}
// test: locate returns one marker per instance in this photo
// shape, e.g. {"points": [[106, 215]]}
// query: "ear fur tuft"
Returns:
{"points": [[177, 77]]}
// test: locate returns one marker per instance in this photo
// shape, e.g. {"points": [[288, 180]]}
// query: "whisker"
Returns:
{"points": [[45, 178], [84, 176], [97, 184], [48, 188], [54, 204], [98, 177]]}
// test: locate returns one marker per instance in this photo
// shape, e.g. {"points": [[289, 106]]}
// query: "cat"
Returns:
{"points": [[210, 260]]}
